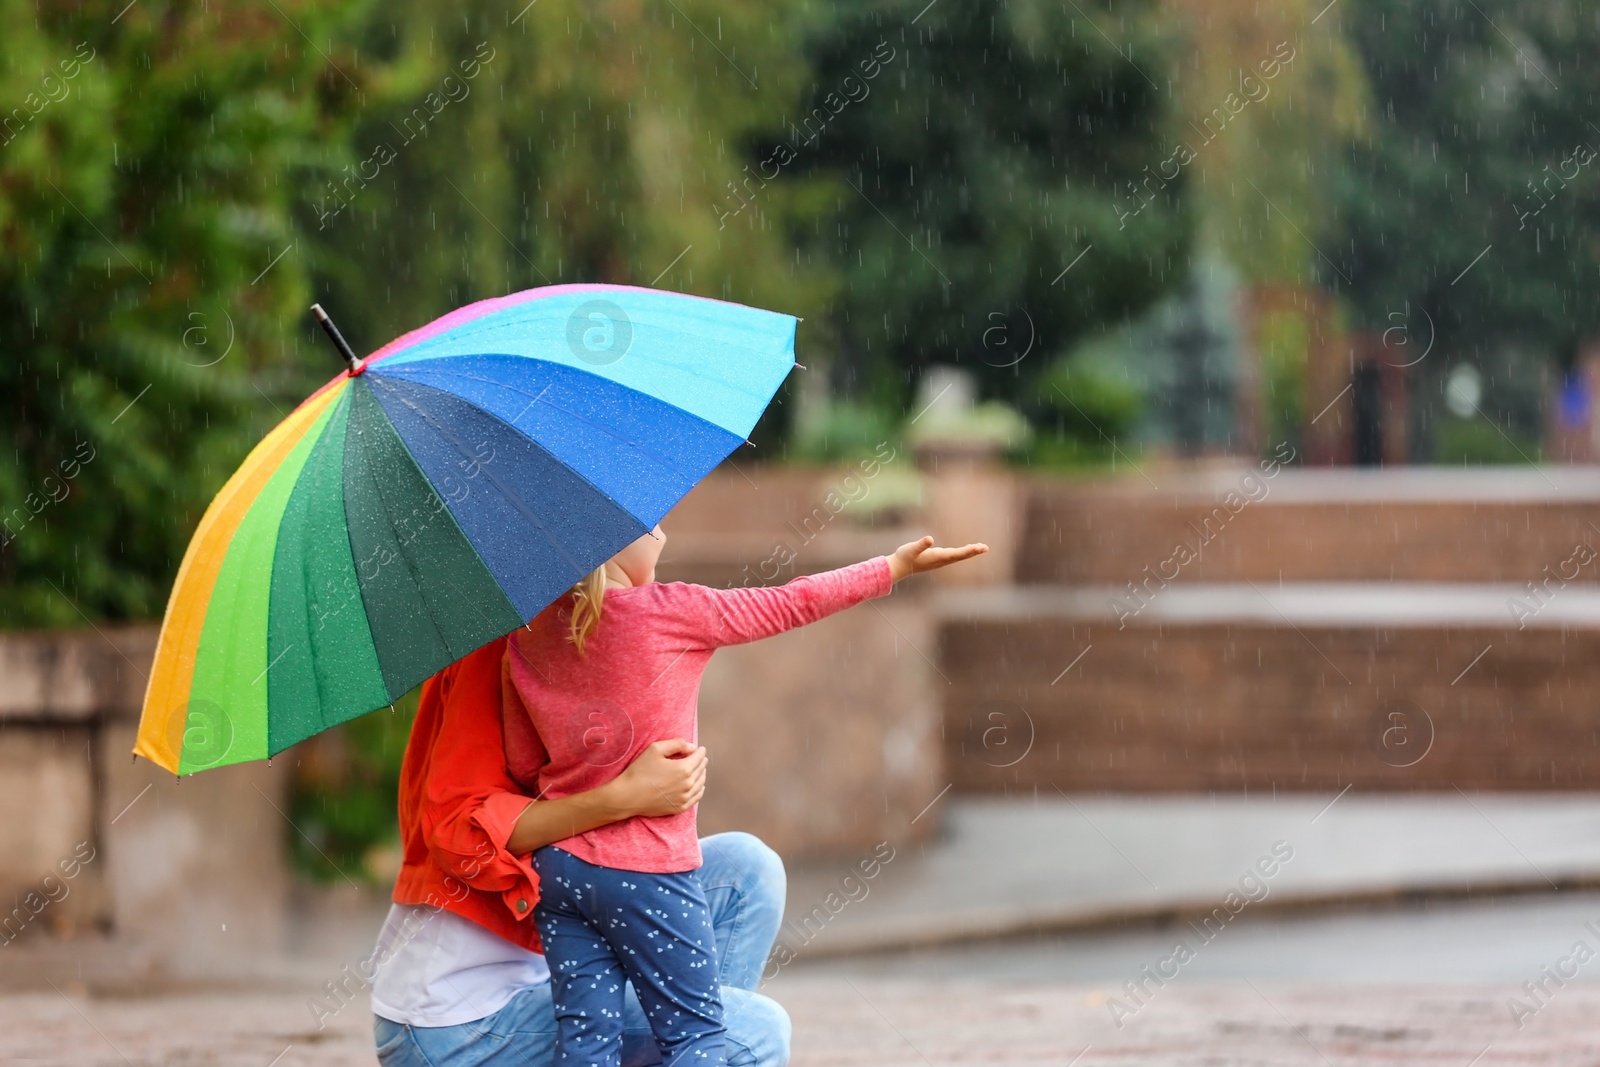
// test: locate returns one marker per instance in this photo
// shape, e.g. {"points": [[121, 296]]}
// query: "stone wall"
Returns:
{"points": [[181, 873], [1320, 623], [1254, 704], [825, 740], [1409, 525]]}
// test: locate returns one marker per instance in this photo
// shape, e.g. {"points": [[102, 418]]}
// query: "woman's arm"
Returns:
{"points": [[458, 803], [668, 777]]}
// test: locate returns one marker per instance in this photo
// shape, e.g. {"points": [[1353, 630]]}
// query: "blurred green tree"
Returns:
{"points": [[975, 152], [150, 157], [1471, 212], [1269, 98], [342, 806], [562, 142]]}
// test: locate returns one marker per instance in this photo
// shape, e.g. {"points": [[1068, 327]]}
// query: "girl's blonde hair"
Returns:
{"points": [[588, 597]]}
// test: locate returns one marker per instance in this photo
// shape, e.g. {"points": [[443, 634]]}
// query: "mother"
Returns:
{"points": [[460, 979]]}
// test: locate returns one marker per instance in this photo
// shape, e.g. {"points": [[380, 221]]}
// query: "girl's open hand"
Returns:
{"points": [[920, 555]]}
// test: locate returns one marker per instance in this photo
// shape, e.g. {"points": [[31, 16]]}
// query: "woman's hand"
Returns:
{"points": [[667, 778], [920, 555]]}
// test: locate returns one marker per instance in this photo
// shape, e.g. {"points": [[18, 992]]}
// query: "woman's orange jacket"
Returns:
{"points": [[458, 805]]}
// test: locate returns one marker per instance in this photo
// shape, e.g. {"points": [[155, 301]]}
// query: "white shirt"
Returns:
{"points": [[434, 968]]}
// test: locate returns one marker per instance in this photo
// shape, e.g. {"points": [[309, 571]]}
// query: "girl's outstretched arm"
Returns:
{"points": [[702, 617]]}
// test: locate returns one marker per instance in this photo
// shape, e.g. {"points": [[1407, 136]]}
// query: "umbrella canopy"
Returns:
{"points": [[440, 494]]}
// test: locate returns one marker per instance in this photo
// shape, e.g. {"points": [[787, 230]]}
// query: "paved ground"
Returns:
{"points": [[248, 1029], [1007, 865], [1482, 943], [1424, 984], [1419, 983], [887, 1022]]}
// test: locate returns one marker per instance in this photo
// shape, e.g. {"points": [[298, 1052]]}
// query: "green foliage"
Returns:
{"points": [[1166, 379], [1090, 396], [1471, 212], [990, 423], [1268, 98], [841, 431], [593, 143], [343, 804], [1086, 405], [146, 182], [207, 169], [972, 151], [1284, 337], [1477, 441]]}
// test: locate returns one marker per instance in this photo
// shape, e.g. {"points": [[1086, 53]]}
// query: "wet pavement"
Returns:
{"points": [[842, 1021], [1022, 865], [1424, 984], [1098, 894]]}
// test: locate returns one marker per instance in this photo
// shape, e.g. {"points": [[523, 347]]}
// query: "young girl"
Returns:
{"points": [[590, 683]]}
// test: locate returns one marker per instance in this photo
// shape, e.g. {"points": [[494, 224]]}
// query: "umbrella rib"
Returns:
{"points": [[403, 555], [473, 602], [516, 500]]}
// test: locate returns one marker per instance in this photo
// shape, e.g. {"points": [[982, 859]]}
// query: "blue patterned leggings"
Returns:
{"points": [[603, 928]]}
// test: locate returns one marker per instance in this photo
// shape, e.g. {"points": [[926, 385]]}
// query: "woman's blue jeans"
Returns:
{"points": [[744, 885]]}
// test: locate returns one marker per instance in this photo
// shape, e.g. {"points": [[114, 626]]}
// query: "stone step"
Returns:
{"points": [[1426, 525], [1294, 687], [1022, 865]]}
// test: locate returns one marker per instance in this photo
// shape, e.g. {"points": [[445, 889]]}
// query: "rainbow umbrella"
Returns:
{"points": [[439, 494]]}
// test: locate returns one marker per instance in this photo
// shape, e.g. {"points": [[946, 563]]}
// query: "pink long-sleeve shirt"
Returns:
{"points": [[574, 722]]}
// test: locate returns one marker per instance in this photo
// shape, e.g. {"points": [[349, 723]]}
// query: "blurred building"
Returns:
{"points": [[1572, 433]]}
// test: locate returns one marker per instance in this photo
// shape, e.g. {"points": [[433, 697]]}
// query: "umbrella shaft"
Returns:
{"points": [[339, 342]]}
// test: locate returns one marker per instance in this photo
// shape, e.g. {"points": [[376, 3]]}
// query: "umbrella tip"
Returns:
{"points": [[354, 363]]}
